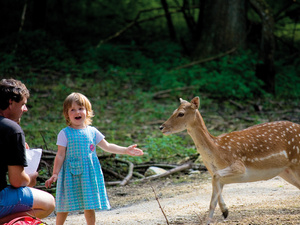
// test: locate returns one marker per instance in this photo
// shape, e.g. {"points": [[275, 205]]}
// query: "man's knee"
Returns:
{"points": [[43, 200], [50, 202]]}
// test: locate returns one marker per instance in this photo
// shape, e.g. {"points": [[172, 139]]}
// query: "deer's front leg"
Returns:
{"points": [[222, 204], [216, 193], [219, 178]]}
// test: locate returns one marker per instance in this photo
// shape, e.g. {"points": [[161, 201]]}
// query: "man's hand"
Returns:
{"points": [[33, 179]]}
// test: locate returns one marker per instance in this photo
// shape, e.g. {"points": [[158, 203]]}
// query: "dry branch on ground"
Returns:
{"points": [[48, 157]]}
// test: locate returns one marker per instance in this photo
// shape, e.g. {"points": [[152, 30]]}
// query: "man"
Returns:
{"points": [[17, 198]]}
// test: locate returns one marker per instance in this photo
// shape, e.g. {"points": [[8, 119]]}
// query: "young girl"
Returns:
{"points": [[80, 182]]}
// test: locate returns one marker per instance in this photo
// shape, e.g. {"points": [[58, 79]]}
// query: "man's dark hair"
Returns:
{"points": [[11, 89]]}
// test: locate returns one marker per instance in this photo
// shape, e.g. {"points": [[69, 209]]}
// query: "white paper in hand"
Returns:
{"points": [[33, 160]]}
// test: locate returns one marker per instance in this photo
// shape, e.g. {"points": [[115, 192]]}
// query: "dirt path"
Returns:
{"points": [[266, 202]]}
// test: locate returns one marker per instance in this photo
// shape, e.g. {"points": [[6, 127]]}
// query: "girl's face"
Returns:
{"points": [[77, 115]]}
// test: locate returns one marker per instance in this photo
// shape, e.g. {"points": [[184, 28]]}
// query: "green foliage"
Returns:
{"points": [[120, 77], [168, 149], [34, 49], [122, 99], [154, 67], [108, 55], [7, 63], [231, 77], [151, 68], [288, 80]]}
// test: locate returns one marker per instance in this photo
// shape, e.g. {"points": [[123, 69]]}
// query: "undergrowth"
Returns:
{"points": [[122, 82]]}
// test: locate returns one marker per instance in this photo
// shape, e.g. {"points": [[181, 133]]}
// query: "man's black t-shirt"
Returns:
{"points": [[12, 148]]}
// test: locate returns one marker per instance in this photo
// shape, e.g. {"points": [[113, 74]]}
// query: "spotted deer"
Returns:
{"points": [[260, 152]]}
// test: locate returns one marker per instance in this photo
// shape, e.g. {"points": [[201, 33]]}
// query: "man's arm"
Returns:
{"points": [[19, 178]]}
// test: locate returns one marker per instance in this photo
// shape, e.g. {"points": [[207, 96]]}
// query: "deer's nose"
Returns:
{"points": [[161, 127]]}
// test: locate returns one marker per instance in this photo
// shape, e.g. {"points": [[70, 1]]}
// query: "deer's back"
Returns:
{"points": [[273, 144]]}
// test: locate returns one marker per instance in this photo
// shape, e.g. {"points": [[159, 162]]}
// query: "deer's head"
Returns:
{"points": [[181, 117]]}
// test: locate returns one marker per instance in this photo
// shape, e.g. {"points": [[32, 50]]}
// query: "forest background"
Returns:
{"points": [[133, 59]]}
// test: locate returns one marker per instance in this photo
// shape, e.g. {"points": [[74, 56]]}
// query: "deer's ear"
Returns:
{"points": [[195, 102], [182, 101]]}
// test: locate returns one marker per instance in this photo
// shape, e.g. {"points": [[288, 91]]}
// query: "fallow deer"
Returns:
{"points": [[260, 152]]}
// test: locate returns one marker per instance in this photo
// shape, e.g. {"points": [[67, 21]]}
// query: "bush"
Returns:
{"points": [[168, 149], [231, 77], [149, 68], [288, 79]]}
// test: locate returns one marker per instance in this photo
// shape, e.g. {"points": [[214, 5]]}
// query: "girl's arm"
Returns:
{"points": [[59, 160], [113, 148]]}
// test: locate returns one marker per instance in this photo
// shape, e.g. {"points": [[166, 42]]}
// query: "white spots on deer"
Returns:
{"points": [[294, 161], [272, 156], [261, 143]]}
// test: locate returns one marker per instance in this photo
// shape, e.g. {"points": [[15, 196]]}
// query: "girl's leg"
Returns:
{"points": [[90, 217], [61, 218]]}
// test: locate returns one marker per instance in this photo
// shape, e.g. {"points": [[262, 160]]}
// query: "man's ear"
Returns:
{"points": [[195, 102]]}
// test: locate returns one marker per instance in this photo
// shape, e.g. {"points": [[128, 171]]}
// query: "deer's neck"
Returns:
{"points": [[203, 140]]}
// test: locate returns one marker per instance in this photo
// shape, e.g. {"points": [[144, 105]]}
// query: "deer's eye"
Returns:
{"points": [[181, 114]]}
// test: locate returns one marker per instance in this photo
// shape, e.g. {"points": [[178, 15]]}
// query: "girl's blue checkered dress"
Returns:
{"points": [[80, 183]]}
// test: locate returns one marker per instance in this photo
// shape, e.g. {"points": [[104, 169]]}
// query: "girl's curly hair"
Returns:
{"points": [[81, 100]]}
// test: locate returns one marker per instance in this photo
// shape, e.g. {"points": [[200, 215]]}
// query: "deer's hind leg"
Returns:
{"points": [[292, 175]]}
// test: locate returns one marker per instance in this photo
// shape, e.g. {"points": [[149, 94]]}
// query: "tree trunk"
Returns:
{"points": [[186, 11], [266, 70], [169, 20], [39, 14], [223, 26]]}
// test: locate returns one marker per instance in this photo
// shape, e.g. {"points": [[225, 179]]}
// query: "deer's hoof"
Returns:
{"points": [[225, 213]]}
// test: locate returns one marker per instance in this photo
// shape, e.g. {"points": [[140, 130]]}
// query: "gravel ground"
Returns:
{"points": [[186, 201]]}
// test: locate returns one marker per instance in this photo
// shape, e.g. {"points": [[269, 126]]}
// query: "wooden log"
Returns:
{"points": [[169, 172]]}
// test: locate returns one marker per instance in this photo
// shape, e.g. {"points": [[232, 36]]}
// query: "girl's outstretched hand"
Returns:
{"points": [[134, 151], [51, 180]]}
